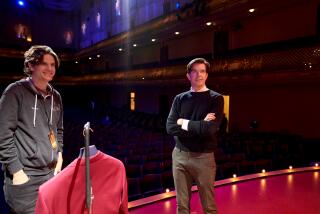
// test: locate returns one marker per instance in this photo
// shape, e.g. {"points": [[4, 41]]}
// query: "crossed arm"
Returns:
{"points": [[182, 127]]}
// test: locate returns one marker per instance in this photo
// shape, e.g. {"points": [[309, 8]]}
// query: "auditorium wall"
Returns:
{"points": [[283, 24], [293, 108], [148, 54], [197, 43], [50, 29]]}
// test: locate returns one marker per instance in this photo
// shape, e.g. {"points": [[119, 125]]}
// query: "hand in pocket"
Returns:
{"points": [[20, 178]]}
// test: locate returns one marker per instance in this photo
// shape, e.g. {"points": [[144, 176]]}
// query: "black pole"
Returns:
{"points": [[87, 161]]}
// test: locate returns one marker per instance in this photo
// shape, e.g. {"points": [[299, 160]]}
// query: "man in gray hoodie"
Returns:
{"points": [[31, 130]]}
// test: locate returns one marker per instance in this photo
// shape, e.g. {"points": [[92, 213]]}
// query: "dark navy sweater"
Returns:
{"points": [[194, 106]]}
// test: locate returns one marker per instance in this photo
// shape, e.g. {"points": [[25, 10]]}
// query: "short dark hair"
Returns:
{"points": [[198, 61], [34, 56]]}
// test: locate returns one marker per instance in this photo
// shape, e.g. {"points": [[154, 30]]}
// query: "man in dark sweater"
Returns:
{"points": [[31, 130], [194, 119]]}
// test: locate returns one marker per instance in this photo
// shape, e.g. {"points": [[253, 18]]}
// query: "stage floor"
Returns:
{"points": [[283, 192]]}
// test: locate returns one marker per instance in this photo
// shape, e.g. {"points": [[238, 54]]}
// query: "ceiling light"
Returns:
{"points": [[98, 55], [251, 10], [153, 40], [134, 45], [90, 58], [208, 23], [76, 62], [177, 32], [120, 49], [21, 3]]}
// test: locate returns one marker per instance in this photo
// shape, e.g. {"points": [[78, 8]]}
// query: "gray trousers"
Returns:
{"points": [[22, 198], [200, 167]]}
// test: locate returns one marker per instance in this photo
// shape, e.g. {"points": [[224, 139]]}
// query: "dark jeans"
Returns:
{"points": [[22, 198]]}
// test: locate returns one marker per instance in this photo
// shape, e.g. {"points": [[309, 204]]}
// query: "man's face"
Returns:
{"points": [[44, 71], [198, 75]]}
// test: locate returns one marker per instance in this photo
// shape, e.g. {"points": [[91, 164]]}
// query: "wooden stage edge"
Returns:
{"points": [[166, 195]]}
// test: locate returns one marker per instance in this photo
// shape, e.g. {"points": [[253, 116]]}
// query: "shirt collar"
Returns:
{"points": [[204, 88]]}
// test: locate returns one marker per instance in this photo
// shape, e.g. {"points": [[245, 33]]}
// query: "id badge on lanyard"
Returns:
{"points": [[52, 139]]}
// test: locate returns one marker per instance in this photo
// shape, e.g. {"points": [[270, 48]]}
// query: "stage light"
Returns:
{"points": [[120, 49], [21, 3], [177, 32], [234, 175], [251, 10], [263, 171], [90, 58], [134, 45], [167, 190], [153, 40], [290, 167], [316, 164], [98, 55], [211, 24], [76, 62]]}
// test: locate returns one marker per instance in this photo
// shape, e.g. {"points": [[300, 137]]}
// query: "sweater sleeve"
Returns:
{"points": [[172, 127], [209, 128], [124, 197], [9, 109], [41, 206]]}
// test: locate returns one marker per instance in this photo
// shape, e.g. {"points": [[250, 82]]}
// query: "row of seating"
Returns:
{"points": [[149, 184], [147, 152], [138, 170]]}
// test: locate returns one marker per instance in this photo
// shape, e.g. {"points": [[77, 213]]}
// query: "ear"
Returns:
{"points": [[188, 76], [30, 66]]}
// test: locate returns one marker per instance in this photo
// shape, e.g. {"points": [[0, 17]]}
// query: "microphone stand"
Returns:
{"points": [[89, 193]]}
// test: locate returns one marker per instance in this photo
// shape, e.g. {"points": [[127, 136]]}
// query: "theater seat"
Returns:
{"points": [[167, 180], [151, 184], [134, 190]]}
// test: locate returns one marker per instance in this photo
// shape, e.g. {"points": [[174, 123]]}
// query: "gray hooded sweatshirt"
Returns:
{"points": [[26, 117]]}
